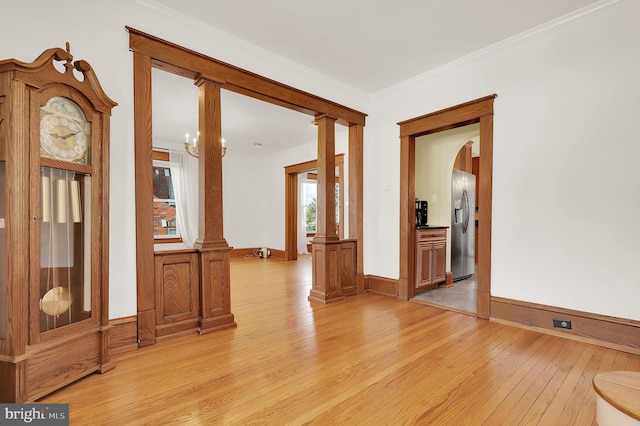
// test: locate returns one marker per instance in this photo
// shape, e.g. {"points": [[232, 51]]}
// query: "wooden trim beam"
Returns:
{"points": [[485, 198], [448, 118], [356, 190], [143, 146], [182, 61], [291, 216], [309, 165], [407, 229]]}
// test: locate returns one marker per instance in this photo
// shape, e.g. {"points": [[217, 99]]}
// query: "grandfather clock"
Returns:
{"points": [[54, 211]]}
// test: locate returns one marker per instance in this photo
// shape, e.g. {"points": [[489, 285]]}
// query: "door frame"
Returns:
{"points": [[291, 202], [476, 111]]}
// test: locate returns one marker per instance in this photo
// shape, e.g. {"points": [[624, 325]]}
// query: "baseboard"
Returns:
{"points": [[251, 252], [382, 285], [448, 282], [610, 332], [277, 254], [123, 336], [242, 252]]}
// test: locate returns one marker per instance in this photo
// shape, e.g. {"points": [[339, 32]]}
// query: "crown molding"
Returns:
{"points": [[304, 70], [576, 16]]}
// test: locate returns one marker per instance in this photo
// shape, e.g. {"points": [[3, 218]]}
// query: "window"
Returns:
{"points": [[309, 203], [164, 202], [309, 199]]}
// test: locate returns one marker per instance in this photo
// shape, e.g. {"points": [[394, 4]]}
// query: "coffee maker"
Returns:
{"points": [[422, 208]]}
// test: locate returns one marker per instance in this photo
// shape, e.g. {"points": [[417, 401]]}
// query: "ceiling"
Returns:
{"points": [[367, 44]]}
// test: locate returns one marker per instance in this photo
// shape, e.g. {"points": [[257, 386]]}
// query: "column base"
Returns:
{"points": [[318, 296], [221, 322], [215, 291]]}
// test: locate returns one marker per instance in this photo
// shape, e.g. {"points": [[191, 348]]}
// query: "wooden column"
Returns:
{"points": [[291, 215], [484, 227], [407, 229], [215, 282], [144, 199], [326, 202], [326, 243], [14, 133], [356, 230], [210, 229]]}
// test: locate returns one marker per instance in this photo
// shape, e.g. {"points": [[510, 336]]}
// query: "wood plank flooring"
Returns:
{"points": [[368, 360]]}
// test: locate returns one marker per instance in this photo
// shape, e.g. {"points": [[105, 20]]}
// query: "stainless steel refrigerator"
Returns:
{"points": [[463, 205]]}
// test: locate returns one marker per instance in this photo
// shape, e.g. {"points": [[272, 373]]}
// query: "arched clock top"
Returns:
{"points": [[42, 71]]}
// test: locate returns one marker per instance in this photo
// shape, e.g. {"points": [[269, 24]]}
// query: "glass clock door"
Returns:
{"points": [[65, 248]]}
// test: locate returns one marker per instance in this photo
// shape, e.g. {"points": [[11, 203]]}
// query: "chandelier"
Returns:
{"points": [[192, 147]]}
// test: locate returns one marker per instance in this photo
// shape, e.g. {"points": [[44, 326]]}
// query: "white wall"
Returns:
{"points": [[244, 198], [566, 180]]}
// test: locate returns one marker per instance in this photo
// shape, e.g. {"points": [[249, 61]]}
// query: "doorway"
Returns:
{"points": [[476, 111], [292, 174], [446, 185]]}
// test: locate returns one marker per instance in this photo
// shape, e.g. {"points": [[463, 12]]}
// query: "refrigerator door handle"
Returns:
{"points": [[465, 211]]}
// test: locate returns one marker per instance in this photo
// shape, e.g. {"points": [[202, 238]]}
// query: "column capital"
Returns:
{"points": [[202, 80], [323, 116]]}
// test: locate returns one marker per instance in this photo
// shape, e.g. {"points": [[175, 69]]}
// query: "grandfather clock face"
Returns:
{"points": [[65, 133]]}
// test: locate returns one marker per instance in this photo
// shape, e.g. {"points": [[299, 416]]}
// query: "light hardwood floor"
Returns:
{"points": [[368, 360]]}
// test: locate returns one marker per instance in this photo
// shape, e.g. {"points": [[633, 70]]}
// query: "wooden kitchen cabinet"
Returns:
{"points": [[431, 257]]}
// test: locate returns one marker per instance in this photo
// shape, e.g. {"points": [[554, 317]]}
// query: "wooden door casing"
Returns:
{"points": [[476, 111]]}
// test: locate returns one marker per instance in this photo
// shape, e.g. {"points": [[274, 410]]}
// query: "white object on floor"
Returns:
{"points": [[617, 398]]}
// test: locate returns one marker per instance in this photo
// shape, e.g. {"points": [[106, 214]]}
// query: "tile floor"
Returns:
{"points": [[462, 296]]}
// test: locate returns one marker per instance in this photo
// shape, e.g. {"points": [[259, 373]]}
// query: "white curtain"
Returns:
{"points": [[184, 172], [302, 225]]}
